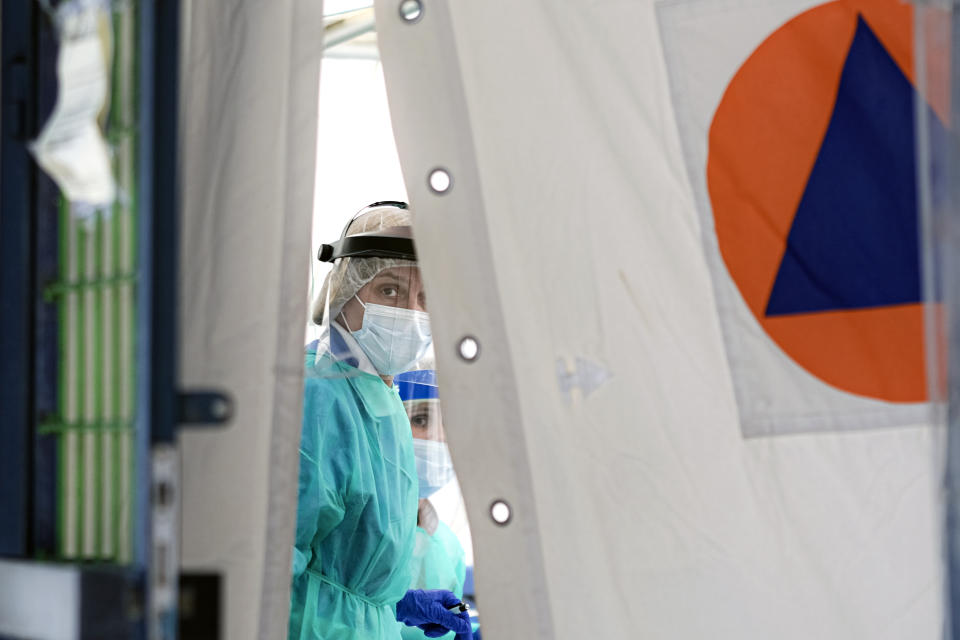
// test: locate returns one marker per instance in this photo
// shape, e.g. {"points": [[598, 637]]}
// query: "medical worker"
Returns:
{"points": [[438, 560], [357, 502]]}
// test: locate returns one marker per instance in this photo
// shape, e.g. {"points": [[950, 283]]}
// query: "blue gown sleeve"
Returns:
{"points": [[320, 505]]}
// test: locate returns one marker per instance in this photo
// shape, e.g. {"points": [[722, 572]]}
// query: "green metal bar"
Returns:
{"points": [[63, 240], [117, 384], [98, 313], [78, 383], [134, 259], [116, 141], [106, 350], [108, 439], [120, 132], [84, 382], [73, 404], [90, 388], [118, 287]]}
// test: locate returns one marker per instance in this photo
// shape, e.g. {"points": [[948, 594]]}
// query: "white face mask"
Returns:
{"points": [[393, 338], [434, 466]]}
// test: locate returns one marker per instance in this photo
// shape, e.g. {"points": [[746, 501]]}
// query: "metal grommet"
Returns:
{"points": [[411, 11], [469, 348], [440, 181], [500, 512]]}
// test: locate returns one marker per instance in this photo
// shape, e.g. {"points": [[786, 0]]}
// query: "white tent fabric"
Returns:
{"points": [[600, 406], [249, 86]]}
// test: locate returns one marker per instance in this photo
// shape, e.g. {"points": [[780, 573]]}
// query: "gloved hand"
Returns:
{"points": [[428, 610], [473, 635]]}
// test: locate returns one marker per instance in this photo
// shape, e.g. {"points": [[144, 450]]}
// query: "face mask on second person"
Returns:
{"points": [[434, 466]]}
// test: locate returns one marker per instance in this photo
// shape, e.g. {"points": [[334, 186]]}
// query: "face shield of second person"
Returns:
{"points": [[373, 306], [418, 390], [438, 560]]}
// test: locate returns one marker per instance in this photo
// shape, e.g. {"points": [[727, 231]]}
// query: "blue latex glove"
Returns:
{"points": [[473, 635], [427, 609]]}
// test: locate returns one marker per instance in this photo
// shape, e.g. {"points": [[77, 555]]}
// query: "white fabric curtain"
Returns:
{"points": [[249, 87], [600, 406]]}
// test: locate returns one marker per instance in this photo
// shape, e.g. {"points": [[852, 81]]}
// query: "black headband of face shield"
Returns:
{"points": [[395, 242]]}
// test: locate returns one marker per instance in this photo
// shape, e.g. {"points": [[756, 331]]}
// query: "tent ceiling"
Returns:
{"points": [[333, 8], [350, 34]]}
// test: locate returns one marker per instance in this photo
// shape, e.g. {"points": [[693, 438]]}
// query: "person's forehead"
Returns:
{"points": [[421, 403], [399, 273]]}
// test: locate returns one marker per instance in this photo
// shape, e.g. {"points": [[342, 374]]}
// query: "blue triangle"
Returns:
{"points": [[854, 241]]}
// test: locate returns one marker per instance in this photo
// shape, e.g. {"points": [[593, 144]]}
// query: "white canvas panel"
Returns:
{"points": [[248, 118], [601, 405]]}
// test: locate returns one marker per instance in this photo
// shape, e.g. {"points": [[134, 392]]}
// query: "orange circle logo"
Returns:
{"points": [[812, 178]]}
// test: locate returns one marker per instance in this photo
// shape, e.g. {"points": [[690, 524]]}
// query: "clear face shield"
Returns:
{"points": [[443, 548], [372, 307], [418, 390]]}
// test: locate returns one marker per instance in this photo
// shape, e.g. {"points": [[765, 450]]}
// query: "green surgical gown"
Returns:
{"points": [[437, 562], [357, 509]]}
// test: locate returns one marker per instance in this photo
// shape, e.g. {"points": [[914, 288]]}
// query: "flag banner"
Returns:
{"points": [[797, 125]]}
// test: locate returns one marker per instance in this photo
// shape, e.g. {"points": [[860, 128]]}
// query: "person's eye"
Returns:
{"points": [[389, 291], [420, 421]]}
